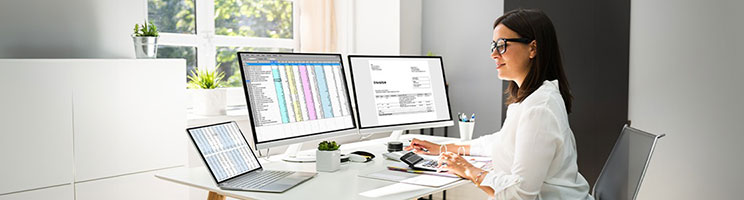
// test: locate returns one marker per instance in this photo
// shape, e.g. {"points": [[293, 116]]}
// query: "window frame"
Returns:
{"points": [[206, 41]]}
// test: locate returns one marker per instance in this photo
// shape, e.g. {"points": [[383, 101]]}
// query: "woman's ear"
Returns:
{"points": [[533, 49]]}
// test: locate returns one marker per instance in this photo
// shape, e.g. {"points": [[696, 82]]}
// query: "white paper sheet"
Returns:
{"points": [[392, 189], [411, 178]]}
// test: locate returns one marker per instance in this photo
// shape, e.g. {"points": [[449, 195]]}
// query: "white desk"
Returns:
{"points": [[342, 184]]}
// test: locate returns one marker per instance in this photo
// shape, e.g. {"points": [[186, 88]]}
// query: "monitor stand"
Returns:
{"points": [[395, 136], [293, 154]]}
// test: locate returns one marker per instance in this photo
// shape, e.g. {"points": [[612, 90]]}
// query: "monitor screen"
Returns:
{"points": [[224, 150], [293, 95], [399, 90]]}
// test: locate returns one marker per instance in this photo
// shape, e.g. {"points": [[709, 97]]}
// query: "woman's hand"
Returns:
{"points": [[423, 147], [456, 164]]}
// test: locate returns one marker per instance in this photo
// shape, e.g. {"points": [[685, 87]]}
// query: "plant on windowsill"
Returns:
{"points": [[207, 95], [145, 38], [327, 157]]}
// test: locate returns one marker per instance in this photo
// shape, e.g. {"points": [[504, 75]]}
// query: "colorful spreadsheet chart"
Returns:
{"points": [[296, 95]]}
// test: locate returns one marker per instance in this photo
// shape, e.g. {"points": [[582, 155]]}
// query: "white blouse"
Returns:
{"points": [[534, 153]]}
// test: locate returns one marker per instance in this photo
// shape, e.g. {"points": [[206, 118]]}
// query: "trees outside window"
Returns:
{"points": [[209, 33]]}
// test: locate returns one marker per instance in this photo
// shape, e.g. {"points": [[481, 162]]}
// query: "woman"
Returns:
{"points": [[534, 153]]}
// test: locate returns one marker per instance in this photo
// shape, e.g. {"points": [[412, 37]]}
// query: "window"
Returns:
{"points": [[186, 52], [227, 61], [209, 33]]}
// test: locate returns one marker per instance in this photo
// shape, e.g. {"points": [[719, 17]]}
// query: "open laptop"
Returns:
{"points": [[232, 163]]}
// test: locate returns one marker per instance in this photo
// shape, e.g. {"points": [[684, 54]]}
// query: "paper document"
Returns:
{"points": [[477, 161], [402, 167], [411, 178], [389, 175], [429, 180], [392, 189]]}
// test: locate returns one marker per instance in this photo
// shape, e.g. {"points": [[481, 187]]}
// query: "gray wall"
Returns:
{"points": [[69, 28], [594, 39], [686, 81], [461, 34]]}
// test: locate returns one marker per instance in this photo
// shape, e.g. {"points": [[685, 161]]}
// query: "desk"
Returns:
{"points": [[342, 184]]}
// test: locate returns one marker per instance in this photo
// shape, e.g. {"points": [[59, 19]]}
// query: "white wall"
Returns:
{"points": [[461, 33], [69, 28], [410, 27], [385, 27], [377, 27], [686, 81]]}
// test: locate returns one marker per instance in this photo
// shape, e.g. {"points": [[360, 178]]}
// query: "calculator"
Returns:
{"points": [[417, 162]]}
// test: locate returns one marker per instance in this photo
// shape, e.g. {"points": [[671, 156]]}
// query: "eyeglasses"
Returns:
{"points": [[500, 44]]}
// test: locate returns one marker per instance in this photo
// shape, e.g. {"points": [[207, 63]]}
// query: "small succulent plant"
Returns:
{"points": [[328, 146], [148, 29], [205, 79]]}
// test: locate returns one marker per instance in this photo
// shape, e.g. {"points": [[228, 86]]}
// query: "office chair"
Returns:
{"points": [[623, 172]]}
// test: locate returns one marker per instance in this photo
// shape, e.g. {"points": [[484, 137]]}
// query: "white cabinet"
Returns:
{"points": [[129, 117], [101, 126], [63, 192], [137, 186], [35, 126]]}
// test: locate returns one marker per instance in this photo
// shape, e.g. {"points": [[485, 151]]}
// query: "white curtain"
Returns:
{"points": [[318, 26]]}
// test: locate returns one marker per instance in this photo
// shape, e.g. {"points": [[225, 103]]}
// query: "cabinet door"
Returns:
{"points": [[129, 117], [35, 125], [63, 192], [135, 186]]}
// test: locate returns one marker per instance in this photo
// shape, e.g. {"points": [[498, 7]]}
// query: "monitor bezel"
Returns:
{"points": [[281, 141], [388, 127], [204, 159]]}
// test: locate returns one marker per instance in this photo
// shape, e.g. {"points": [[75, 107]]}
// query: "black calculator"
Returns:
{"points": [[417, 162]]}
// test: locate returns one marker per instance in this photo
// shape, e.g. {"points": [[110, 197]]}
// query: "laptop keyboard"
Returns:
{"points": [[259, 179]]}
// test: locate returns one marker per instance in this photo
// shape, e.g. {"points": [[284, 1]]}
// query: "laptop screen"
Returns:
{"points": [[224, 149]]}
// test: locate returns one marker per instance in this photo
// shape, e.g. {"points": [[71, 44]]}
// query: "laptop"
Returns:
{"points": [[234, 166]]}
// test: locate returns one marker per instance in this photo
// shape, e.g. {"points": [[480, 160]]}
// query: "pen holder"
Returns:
{"points": [[466, 130]]}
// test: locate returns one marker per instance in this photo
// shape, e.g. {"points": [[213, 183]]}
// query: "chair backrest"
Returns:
{"points": [[623, 172]]}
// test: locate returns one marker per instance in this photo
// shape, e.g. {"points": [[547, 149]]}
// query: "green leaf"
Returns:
{"points": [[205, 79], [147, 29], [328, 146]]}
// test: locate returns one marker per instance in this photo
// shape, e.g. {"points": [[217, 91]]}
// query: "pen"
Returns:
{"points": [[422, 172], [406, 170], [422, 148]]}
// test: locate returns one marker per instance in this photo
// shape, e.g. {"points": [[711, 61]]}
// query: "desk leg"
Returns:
{"points": [[215, 196]]}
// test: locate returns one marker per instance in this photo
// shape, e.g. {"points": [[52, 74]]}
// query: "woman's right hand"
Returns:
{"points": [[423, 147]]}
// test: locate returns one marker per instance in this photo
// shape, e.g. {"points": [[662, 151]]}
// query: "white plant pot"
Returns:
{"points": [[327, 161], [209, 101]]}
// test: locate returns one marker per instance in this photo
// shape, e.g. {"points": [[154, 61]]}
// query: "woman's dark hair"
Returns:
{"points": [[535, 25]]}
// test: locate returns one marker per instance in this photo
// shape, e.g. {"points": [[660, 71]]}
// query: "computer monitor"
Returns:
{"points": [[396, 93], [295, 97]]}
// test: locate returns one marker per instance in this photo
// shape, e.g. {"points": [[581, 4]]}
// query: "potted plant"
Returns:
{"points": [[145, 40], [207, 96], [328, 157]]}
